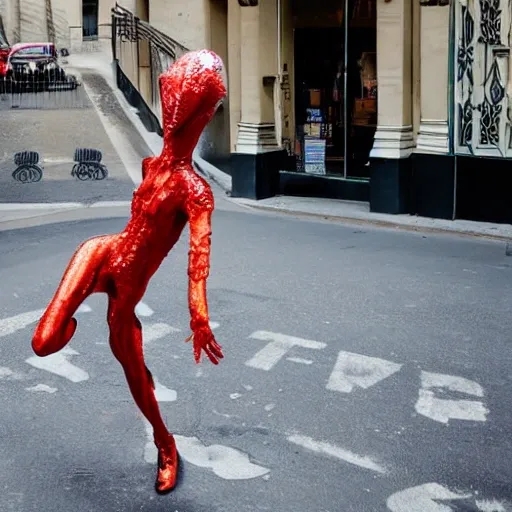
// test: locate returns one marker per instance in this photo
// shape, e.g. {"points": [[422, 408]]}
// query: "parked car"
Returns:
{"points": [[35, 67], [5, 49]]}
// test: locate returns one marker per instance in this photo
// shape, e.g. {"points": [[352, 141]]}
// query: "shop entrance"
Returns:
{"points": [[335, 79]]}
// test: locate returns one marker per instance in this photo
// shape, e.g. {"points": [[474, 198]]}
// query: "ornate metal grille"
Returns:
{"points": [[482, 116]]}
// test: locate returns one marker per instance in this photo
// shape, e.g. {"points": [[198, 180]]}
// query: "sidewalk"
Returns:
{"points": [[359, 213]]}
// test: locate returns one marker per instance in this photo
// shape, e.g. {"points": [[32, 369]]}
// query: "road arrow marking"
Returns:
{"points": [[153, 332], [423, 498], [355, 370], [60, 365], [279, 346], [441, 409], [18, 322], [15, 323], [427, 498]]}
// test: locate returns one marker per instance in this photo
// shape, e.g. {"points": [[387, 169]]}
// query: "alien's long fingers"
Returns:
{"points": [[211, 356], [197, 354], [216, 349]]}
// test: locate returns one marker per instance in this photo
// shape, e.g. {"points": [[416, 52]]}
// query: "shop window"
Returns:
{"points": [[335, 127]]}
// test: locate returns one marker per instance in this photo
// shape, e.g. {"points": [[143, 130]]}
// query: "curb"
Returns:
{"points": [[31, 217], [383, 223]]}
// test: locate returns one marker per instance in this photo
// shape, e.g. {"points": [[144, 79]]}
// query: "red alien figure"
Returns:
{"points": [[121, 264]]}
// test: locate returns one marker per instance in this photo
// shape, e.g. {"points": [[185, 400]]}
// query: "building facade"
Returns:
{"points": [[401, 103], [404, 104], [77, 25]]}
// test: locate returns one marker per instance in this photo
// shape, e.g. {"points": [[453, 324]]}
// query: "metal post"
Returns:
{"points": [[345, 90], [114, 35]]}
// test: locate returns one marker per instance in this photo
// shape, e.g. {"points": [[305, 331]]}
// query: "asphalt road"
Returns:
{"points": [[393, 394]]}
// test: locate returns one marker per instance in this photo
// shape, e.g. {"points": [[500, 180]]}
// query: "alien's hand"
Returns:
{"points": [[203, 339]]}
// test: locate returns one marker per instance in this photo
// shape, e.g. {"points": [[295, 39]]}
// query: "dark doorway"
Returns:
{"points": [[90, 19], [335, 91]]}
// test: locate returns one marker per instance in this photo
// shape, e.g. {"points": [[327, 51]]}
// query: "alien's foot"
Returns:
{"points": [[167, 468]]}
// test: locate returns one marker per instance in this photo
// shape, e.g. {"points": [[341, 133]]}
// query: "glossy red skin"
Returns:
{"points": [[121, 265]]}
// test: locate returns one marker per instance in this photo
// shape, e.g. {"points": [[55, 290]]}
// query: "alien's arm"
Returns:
{"points": [[198, 270], [199, 266]]}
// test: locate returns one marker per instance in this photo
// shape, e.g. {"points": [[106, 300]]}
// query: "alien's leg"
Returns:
{"points": [[57, 325], [126, 345]]}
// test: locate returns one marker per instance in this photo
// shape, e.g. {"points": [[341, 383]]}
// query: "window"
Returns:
{"points": [[90, 19]]}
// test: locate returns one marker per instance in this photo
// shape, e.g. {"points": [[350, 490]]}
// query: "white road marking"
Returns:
{"points": [[226, 462], [279, 346], [335, 451], [38, 206], [299, 360], [491, 506], [214, 325], [423, 498], [441, 409], [153, 332], [84, 308], [7, 373], [355, 370], [150, 451], [42, 387], [164, 394], [142, 309], [269, 407], [18, 322], [234, 396], [60, 365], [15, 323]]}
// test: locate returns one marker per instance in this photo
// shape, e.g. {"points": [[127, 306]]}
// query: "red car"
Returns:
{"points": [[4, 51]]}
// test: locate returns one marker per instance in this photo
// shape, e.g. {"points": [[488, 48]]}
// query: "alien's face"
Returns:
{"points": [[192, 88]]}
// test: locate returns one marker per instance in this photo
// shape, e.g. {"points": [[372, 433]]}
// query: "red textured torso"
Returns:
{"points": [[160, 209], [170, 190]]}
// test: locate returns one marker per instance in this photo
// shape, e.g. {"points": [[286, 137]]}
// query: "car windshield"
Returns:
{"points": [[34, 51]]}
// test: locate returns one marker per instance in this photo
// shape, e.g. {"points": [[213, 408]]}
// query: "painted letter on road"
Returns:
{"points": [[279, 346], [356, 370], [442, 409]]}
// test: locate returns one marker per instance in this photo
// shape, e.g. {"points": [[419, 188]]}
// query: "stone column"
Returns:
{"points": [[234, 71], [258, 157], [433, 183], [433, 133], [258, 57], [393, 144]]}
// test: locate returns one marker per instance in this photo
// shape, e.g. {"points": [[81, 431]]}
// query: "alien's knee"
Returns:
{"points": [[41, 342], [47, 340]]}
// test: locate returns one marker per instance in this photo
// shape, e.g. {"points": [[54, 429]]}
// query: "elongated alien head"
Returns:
{"points": [[191, 90]]}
